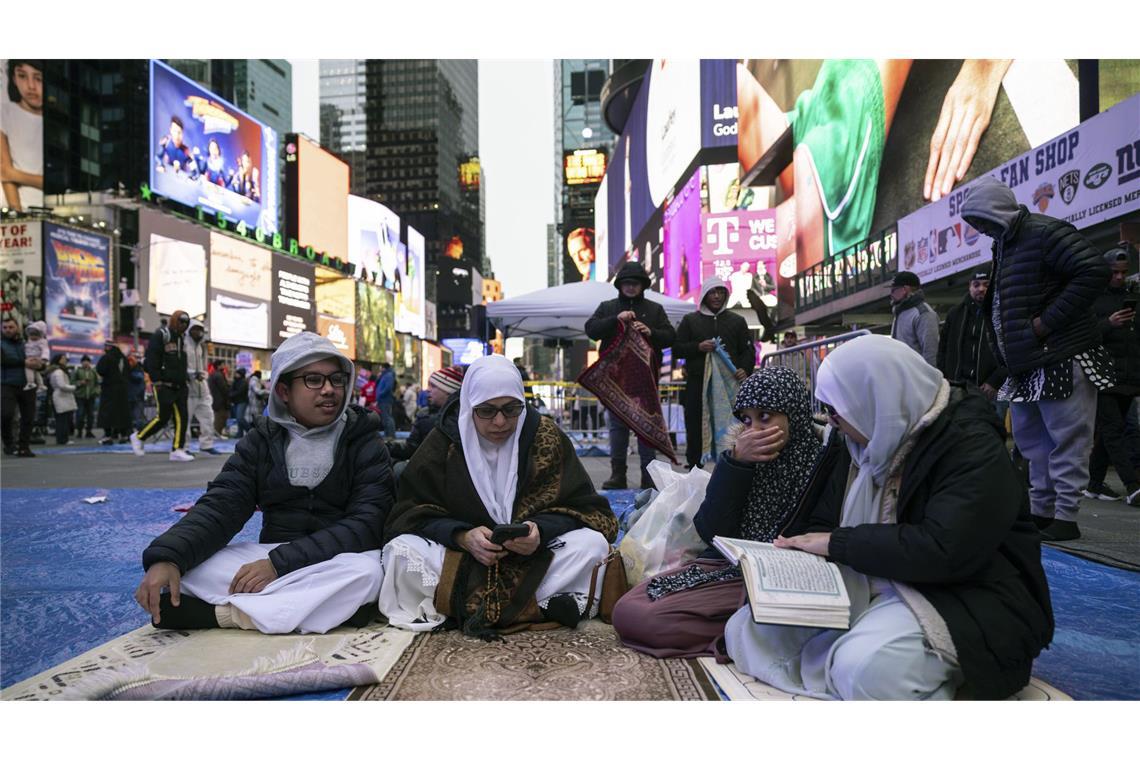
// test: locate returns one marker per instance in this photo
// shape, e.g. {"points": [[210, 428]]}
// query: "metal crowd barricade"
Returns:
{"points": [[804, 359], [583, 417]]}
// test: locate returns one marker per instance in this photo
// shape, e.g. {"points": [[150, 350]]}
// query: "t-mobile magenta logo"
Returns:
{"points": [[722, 231]]}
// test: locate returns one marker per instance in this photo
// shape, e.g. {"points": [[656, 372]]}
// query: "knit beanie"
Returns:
{"points": [[447, 379]]}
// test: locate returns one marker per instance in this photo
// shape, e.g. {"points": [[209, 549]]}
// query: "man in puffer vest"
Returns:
{"points": [[1045, 278], [319, 472]]}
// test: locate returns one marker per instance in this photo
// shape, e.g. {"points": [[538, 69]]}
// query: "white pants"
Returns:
{"points": [[200, 407], [412, 566], [313, 599], [882, 656]]}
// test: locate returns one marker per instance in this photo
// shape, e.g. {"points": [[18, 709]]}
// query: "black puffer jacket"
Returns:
{"points": [[603, 324], [1123, 343], [1042, 267], [964, 540], [345, 513], [731, 328], [964, 351]]}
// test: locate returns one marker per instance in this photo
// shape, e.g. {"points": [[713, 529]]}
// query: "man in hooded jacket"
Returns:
{"points": [[1039, 315], [696, 339], [320, 474], [199, 400], [632, 308]]}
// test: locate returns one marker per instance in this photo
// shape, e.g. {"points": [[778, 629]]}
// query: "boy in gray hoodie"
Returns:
{"points": [[319, 472]]}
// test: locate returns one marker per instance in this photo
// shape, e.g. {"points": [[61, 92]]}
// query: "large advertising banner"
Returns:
{"points": [[316, 184], [294, 307], [336, 309], [207, 152], [602, 233], [375, 327], [740, 248], [21, 271], [173, 258], [241, 287], [410, 309], [431, 361], [22, 132], [1085, 176], [683, 242], [374, 240], [77, 292], [579, 260]]}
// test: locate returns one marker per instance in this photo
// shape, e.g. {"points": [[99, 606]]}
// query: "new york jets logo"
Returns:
{"points": [[1097, 176]]}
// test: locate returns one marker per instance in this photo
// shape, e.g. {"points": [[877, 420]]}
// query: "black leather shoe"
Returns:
{"points": [[1042, 522], [615, 483], [1061, 530]]}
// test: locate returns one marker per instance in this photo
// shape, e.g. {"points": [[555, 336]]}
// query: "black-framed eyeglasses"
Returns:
{"points": [[315, 380], [488, 412]]}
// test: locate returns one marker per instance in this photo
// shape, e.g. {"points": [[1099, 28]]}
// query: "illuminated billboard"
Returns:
{"points": [[585, 166], [373, 241], [294, 304], [336, 309], [316, 184], [374, 323], [740, 248], [682, 244], [579, 260], [465, 350], [410, 301], [21, 271], [173, 259], [241, 287], [431, 361], [469, 172], [22, 132], [77, 292], [206, 152]]}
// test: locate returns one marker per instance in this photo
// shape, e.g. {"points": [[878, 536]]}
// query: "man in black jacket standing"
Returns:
{"points": [[1116, 317], [1046, 277], [320, 474], [964, 353], [696, 339], [648, 318], [166, 362]]}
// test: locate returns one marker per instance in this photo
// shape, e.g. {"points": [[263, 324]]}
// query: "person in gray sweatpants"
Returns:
{"points": [[1046, 277]]}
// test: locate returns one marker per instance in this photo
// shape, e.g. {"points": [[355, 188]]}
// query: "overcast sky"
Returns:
{"points": [[516, 146]]}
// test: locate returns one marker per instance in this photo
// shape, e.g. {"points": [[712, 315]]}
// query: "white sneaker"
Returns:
{"points": [[1133, 499], [137, 445], [181, 455]]}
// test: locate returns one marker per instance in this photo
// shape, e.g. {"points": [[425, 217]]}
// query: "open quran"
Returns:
{"points": [[789, 587]]}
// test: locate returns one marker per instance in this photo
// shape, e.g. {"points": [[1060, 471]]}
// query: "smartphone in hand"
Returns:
{"points": [[506, 532]]}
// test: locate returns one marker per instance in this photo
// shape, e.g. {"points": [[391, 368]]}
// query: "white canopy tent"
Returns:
{"points": [[562, 312]]}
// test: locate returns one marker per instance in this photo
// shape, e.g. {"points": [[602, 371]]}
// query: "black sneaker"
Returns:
{"points": [[191, 613], [562, 608], [1061, 530], [1101, 491], [1041, 522], [25, 453]]}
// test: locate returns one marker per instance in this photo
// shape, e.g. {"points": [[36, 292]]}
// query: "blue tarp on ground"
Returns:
{"points": [[69, 570]]}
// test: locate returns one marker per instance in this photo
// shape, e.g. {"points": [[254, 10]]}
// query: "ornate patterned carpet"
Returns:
{"points": [[583, 664]]}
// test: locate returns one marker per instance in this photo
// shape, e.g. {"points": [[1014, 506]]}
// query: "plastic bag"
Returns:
{"points": [[664, 537]]}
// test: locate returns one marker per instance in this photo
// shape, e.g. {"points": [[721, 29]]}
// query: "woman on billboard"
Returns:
{"points": [[22, 136]]}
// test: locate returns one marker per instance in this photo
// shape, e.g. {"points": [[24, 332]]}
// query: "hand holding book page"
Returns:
{"points": [[789, 587]]}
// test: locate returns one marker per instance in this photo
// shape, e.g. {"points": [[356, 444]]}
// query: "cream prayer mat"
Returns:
{"points": [[586, 663], [738, 686], [219, 664]]}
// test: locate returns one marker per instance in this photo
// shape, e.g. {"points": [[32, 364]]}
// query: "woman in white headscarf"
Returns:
{"points": [[492, 461], [926, 518]]}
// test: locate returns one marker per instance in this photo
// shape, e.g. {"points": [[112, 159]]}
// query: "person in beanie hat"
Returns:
{"points": [[1116, 317], [964, 352], [696, 339], [632, 308], [915, 323], [442, 385]]}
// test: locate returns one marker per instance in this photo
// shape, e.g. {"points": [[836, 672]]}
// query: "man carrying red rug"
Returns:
{"points": [[635, 311]]}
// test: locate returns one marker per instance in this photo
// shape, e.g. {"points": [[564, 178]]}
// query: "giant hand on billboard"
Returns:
{"points": [[206, 152]]}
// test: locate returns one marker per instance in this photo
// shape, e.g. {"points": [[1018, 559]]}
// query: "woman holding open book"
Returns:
{"points": [[767, 462], [925, 516]]}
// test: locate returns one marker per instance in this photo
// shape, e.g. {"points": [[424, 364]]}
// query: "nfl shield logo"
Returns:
{"points": [[1069, 183]]}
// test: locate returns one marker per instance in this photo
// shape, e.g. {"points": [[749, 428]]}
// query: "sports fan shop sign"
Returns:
{"points": [[1088, 175]]}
